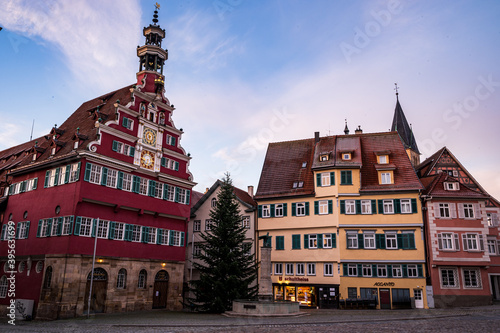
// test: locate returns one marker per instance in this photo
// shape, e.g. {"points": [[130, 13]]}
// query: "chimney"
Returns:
{"points": [[250, 190], [358, 130], [316, 137], [206, 189]]}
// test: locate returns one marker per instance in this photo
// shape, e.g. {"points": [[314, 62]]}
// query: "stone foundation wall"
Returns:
{"points": [[452, 301], [66, 296]]}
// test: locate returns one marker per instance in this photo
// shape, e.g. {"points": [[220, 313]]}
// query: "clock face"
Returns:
{"points": [[149, 136], [147, 159]]}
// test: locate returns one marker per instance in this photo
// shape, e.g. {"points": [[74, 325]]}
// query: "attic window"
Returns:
{"points": [[383, 159], [53, 151], [301, 184], [304, 164], [346, 156], [451, 186], [324, 157], [34, 156], [75, 145], [294, 185]]}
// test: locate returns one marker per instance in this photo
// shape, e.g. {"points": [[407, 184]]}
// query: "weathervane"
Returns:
{"points": [[396, 88], [157, 6]]}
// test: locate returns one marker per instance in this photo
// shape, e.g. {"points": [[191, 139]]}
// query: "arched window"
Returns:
{"points": [[214, 202], [143, 275], [3, 287], [121, 281], [48, 277]]}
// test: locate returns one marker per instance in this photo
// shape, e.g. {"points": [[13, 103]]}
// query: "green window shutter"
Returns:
{"points": [[260, 211], [360, 270], [389, 271], [318, 179], [128, 232], [88, 166], [306, 241], [71, 219], [111, 232], [411, 240], [27, 229], [94, 227], [135, 184], [295, 242], [342, 206], [50, 227], [56, 179], [125, 122], [294, 209], [17, 229], [349, 177], [316, 207], [377, 241], [380, 206], [171, 238], [151, 188], [345, 269], [165, 191], [78, 172], [330, 206], [59, 226], [119, 183], [280, 242], [307, 208], [174, 141], [182, 239], [332, 178], [66, 176], [273, 214], [285, 208], [145, 234], [358, 206], [400, 241], [176, 166], [334, 241], [35, 183], [397, 206], [159, 234], [104, 177], [420, 270], [188, 195], [413, 205], [77, 226], [176, 194], [163, 159], [374, 206], [374, 270], [380, 241], [132, 151], [361, 244], [114, 147], [320, 240], [404, 268], [47, 173]]}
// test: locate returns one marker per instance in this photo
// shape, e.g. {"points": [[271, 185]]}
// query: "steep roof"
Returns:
{"points": [[80, 126], [434, 186], [400, 125]]}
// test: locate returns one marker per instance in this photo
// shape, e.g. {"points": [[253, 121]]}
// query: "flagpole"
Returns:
{"points": [[92, 273]]}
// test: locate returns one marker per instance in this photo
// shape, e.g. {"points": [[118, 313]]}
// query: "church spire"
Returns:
{"points": [[405, 131]]}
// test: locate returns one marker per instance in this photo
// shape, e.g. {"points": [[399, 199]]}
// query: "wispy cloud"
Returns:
{"points": [[96, 46]]}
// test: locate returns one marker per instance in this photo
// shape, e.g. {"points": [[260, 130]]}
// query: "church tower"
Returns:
{"points": [[400, 125]]}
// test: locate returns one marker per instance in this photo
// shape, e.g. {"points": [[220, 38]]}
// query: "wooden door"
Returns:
{"points": [[385, 299], [160, 290], [98, 299]]}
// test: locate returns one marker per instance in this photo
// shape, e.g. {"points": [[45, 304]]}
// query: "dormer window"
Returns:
{"points": [[294, 185], [383, 159], [451, 186], [34, 157], [304, 164], [346, 156], [53, 151], [75, 145], [301, 184], [324, 157]]}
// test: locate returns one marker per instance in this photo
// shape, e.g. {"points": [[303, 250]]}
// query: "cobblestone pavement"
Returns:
{"points": [[483, 319]]}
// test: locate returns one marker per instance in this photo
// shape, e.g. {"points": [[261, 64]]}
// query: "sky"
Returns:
{"points": [[245, 73]]}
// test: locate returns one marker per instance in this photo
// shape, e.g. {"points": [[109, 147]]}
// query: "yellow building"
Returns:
{"points": [[345, 220]]}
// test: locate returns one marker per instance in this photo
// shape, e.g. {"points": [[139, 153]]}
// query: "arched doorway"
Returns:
{"points": [[99, 288], [160, 290]]}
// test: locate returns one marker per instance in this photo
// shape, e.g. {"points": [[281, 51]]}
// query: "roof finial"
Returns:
{"points": [[396, 88], [155, 16], [346, 129]]}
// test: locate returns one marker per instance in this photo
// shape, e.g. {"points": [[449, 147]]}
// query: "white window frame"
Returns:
{"points": [[208, 224], [171, 193], [467, 278], [112, 177], [152, 235], [127, 182], [278, 210], [328, 269], [468, 211], [492, 246], [391, 243], [54, 227], [158, 191], [95, 174], [352, 240], [366, 207], [300, 209], [447, 285], [73, 173], [86, 227], [119, 230], [327, 241], [385, 178], [311, 269], [289, 268], [196, 250], [135, 233], [382, 159], [182, 195], [352, 270], [323, 207], [397, 271], [367, 270], [448, 241], [62, 175], [143, 186], [102, 229], [382, 270], [313, 241], [388, 206], [350, 207], [52, 178], [412, 271], [325, 179], [165, 236], [278, 268], [405, 206], [300, 268], [245, 222], [444, 210], [23, 230], [369, 240], [196, 225]]}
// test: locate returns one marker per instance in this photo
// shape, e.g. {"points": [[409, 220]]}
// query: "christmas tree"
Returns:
{"points": [[227, 268]]}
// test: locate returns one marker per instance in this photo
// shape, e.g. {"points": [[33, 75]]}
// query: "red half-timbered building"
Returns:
{"points": [[113, 171]]}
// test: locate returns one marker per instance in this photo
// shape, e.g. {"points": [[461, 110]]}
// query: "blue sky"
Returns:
{"points": [[245, 73]]}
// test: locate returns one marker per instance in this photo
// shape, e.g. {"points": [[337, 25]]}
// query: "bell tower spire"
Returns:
{"points": [[152, 57]]}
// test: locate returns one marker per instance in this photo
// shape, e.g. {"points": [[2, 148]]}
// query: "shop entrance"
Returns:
{"points": [[99, 289], [495, 286], [328, 297], [160, 290], [385, 299], [419, 300]]}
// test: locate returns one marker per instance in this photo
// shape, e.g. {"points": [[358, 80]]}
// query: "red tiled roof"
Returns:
{"points": [[195, 197], [434, 187], [283, 167], [244, 196]]}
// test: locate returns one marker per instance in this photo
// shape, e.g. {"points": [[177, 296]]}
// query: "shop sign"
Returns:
{"points": [[384, 284], [300, 279]]}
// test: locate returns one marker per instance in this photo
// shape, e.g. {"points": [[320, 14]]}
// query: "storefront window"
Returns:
{"points": [[290, 293], [278, 293], [306, 296]]}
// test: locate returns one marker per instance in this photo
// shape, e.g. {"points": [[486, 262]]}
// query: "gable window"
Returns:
{"points": [[213, 203], [196, 250], [278, 268], [328, 269], [385, 178], [304, 164], [388, 207], [245, 222], [352, 240], [366, 207], [127, 123], [350, 207], [346, 156], [196, 225], [300, 268], [208, 225], [324, 157], [311, 268], [346, 177], [451, 186], [472, 277], [121, 280], [391, 241], [289, 269], [405, 206]]}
